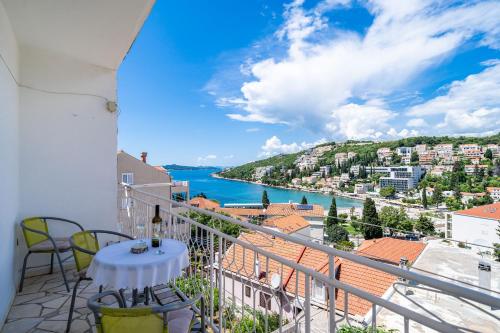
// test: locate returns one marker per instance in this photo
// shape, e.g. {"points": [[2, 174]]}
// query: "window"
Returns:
{"points": [[128, 178], [318, 290], [248, 291], [265, 300]]}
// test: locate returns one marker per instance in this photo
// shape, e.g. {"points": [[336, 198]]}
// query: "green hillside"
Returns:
{"points": [[365, 149]]}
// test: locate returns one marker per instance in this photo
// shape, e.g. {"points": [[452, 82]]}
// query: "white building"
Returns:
{"points": [[384, 153], [477, 225], [422, 148], [465, 148], [58, 119], [402, 178], [404, 151], [325, 170], [444, 149], [494, 192], [470, 169]]}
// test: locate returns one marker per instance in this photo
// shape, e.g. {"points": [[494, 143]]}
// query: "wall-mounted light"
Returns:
{"points": [[112, 106]]}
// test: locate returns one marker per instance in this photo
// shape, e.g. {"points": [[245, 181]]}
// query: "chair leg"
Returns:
{"points": [[62, 270], [122, 295], [24, 271], [51, 263], [72, 306]]}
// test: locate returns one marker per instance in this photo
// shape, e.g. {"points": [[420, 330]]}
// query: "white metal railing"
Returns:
{"points": [[242, 281]]}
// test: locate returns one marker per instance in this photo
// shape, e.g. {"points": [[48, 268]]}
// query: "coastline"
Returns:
{"points": [[335, 193]]}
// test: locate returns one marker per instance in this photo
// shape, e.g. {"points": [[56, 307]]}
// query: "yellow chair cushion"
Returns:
{"points": [[31, 237]]}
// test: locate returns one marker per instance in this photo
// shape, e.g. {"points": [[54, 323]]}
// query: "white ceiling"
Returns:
{"points": [[99, 32]]}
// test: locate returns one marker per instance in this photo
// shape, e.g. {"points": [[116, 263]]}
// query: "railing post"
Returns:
{"points": [[307, 304], [331, 294], [211, 278], [219, 264]]}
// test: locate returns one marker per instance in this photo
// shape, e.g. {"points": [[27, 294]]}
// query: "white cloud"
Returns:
{"points": [[274, 146], [323, 72], [207, 158], [417, 122], [470, 106], [359, 121]]}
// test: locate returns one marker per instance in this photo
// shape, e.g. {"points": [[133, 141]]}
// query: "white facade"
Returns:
{"points": [[57, 137], [475, 230]]}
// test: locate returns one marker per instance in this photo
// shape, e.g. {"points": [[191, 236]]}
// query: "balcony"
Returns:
{"points": [[254, 281]]}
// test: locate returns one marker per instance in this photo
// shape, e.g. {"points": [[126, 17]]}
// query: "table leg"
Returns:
{"points": [[134, 297], [146, 296]]}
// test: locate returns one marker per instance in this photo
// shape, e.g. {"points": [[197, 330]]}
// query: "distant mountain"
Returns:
{"points": [[188, 167]]}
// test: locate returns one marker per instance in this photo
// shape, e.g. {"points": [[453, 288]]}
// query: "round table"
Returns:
{"points": [[115, 267]]}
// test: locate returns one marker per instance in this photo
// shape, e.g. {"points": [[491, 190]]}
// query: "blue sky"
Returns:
{"points": [[226, 82]]}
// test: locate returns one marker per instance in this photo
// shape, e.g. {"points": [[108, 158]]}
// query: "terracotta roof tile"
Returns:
{"points": [[284, 209], [391, 249], [491, 211], [242, 261], [287, 224], [204, 203]]}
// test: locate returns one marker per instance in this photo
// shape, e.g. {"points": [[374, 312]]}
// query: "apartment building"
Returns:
{"points": [[351, 154], [427, 157], [325, 170], [470, 169], [473, 153], [494, 193], [422, 148], [463, 149], [402, 178], [494, 149], [444, 149], [384, 153], [405, 151], [151, 179], [439, 170]]}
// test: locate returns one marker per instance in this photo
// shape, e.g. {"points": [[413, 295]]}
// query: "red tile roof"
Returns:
{"points": [[491, 211], [391, 249], [287, 224], [284, 209], [241, 261], [160, 168], [204, 203], [245, 212]]}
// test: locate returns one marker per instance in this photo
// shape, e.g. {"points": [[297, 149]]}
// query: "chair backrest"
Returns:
{"points": [[155, 319], [35, 223], [83, 241], [130, 320]]}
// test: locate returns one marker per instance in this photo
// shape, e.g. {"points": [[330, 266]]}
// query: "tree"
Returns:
{"points": [[336, 234], [265, 199], [488, 154], [304, 200], [331, 219], [414, 157], [437, 196], [424, 198], [424, 225], [372, 227], [201, 195], [388, 191], [390, 218]]}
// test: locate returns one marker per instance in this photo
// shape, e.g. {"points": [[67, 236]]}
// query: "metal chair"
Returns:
{"points": [[172, 318], [38, 240], [85, 245]]}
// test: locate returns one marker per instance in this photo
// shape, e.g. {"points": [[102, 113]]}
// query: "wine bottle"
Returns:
{"points": [[156, 239]]}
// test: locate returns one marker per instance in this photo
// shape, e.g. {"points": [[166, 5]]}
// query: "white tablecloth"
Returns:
{"points": [[116, 267]]}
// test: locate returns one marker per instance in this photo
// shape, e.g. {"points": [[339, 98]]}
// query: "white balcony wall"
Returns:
{"points": [[9, 162], [57, 139], [67, 142]]}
